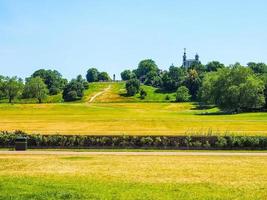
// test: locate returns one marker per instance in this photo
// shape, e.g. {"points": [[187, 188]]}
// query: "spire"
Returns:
{"points": [[197, 57], [184, 57]]}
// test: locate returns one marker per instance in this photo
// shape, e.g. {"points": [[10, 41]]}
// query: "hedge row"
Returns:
{"points": [[7, 139]]}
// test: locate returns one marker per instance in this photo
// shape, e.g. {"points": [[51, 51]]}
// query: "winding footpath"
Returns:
{"points": [[99, 93]]}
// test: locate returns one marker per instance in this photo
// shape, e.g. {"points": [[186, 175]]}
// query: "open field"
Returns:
{"points": [[132, 177], [127, 118]]}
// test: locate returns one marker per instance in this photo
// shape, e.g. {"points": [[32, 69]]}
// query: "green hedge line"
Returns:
{"points": [[7, 139]]}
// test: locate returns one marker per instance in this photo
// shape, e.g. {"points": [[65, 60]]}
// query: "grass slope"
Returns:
{"points": [[109, 177], [127, 118], [117, 93]]}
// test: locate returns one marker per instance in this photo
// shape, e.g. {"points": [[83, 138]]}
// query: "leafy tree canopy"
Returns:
{"points": [[214, 66], [35, 88], [144, 67], [103, 76], [182, 94], [52, 78], [92, 75], [132, 86], [74, 90], [11, 87], [233, 89], [127, 75]]}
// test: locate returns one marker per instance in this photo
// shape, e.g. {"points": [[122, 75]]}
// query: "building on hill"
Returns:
{"points": [[188, 62]]}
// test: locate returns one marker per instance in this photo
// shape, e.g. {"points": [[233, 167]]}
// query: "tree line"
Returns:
{"points": [[232, 88], [48, 82]]}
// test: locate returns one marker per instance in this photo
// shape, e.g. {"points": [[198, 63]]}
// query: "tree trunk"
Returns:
{"points": [[39, 100], [10, 100]]}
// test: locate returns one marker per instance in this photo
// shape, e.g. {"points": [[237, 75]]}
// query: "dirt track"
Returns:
{"points": [[99, 93], [134, 153]]}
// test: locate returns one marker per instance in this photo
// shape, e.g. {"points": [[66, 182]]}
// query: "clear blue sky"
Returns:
{"points": [[113, 35]]}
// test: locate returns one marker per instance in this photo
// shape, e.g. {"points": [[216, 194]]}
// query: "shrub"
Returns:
{"points": [[221, 142], [182, 94], [197, 144]]}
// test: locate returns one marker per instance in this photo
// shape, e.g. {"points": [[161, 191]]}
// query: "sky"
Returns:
{"points": [[74, 35]]}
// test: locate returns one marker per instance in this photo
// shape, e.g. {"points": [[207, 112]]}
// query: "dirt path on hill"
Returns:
{"points": [[99, 93], [73, 153]]}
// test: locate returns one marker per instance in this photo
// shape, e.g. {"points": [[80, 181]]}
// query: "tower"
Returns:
{"points": [[184, 58], [197, 57]]}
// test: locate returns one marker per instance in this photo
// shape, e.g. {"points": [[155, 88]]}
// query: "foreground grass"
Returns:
{"points": [[127, 118], [132, 177]]}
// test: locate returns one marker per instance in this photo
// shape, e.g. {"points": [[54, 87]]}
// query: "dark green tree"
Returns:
{"points": [[103, 76], [2, 95], [145, 67], [153, 79], [258, 68], [127, 75], [74, 90], [92, 75], [132, 87], [214, 66], [53, 79], [168, 84]]}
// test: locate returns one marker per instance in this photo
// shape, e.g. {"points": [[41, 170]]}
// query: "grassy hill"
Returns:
{"points": [[116, 92], [106, 110], [110, 92]]}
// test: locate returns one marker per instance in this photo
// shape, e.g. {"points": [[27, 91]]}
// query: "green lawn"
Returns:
{"points": [[127, 118], [27, 177]]}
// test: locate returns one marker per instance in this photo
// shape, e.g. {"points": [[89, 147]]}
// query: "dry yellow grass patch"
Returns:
{"points": [[127, 118]]}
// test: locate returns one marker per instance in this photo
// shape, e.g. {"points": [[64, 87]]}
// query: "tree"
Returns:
{"points": [[127, 75], [233, 89], [12, 88], [258, 68], [264, 78], [92, 75], [214, 66], [52, 78], [193, 82], [143, 93], [36, 88], [168, 84], [153, 79], [144, 67], [2, 95], [182, 94], [197, 66], [132, 87], [74, 90], [103, 76]]}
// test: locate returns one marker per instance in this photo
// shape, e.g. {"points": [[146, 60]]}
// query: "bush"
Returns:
{"points": [[182, 94], [221, 142]]}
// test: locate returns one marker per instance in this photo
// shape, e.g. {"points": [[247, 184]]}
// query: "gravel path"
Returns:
{"points": [[134, 153]]}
